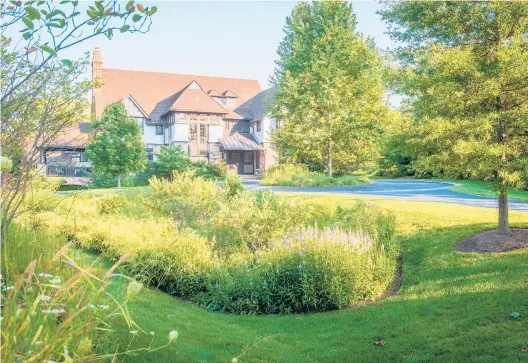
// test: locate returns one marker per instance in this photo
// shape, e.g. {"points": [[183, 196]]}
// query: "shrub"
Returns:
{"points": [[110, 204], [299, 176]]}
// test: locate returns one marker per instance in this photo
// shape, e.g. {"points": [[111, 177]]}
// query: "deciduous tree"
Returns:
{"points": [[329, 88], [116, 146], [464, 69]]}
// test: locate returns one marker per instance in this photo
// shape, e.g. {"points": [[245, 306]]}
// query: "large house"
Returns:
{"points": [[211, 118]]}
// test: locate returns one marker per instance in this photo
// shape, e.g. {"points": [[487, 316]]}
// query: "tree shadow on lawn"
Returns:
{"points": [[452, 307]]}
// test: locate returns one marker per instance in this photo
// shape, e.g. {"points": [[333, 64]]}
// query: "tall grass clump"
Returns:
{"points": [[295, 175], [56, 308]]}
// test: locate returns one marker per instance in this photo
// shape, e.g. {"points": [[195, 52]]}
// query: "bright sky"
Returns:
{"points": [[216, 38]]}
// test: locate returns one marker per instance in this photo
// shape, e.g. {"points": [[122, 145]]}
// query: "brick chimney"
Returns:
{"points": [[97, 77]]}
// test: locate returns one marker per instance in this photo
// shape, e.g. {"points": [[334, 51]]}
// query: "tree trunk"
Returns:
{"points": [[330, 169], [119, 180], [504, 225]]}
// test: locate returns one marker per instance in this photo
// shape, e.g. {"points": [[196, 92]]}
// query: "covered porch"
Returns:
{"points": [[243, 153]]}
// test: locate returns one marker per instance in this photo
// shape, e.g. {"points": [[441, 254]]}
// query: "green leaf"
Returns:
{"points": [[75, 3], [109, 33], [129, 4], [44, 12], [99, 6], [32, 12], [48, 49], [67, 62], [75, 14], [153, 10], [26, 36], [64, 1], [125, 28], [28, 22], [54, 25], [136, 18]]}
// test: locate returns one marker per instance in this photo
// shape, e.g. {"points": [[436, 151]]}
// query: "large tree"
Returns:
{"points": [[329, 88], [116, 146], [464, 68]]}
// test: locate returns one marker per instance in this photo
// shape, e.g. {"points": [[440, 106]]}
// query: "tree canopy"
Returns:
{"points": [[116, 146], [464, 67], [329, 82]]}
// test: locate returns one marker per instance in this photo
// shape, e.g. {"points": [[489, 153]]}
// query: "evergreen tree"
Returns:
{"points": [[329, 88], [464, 69], [116, 146]]}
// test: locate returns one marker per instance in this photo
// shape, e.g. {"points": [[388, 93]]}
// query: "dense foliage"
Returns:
{"points": [[298, 175], [329, 89], [116, 146], [231, 250], [464, 67]]}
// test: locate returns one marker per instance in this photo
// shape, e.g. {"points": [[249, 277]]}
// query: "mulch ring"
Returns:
{"points": [[493, 241]]}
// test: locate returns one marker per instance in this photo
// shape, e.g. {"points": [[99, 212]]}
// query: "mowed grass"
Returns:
{"points": [[452, 307], [485, 189]]}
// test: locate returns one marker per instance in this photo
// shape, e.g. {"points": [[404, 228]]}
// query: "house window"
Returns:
{"points": [[223, 101], [150, 153], [193, 132], [259, 125], [42, 157], [169, 130], [248, 157], [159, 129], [142, 126], [183, 116], [194, 117], [203, 133], [82, 157], [203, 117], [242, 126], [229, 101]]}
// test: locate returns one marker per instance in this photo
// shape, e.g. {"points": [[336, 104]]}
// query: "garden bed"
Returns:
{"points": [[493, 241]]}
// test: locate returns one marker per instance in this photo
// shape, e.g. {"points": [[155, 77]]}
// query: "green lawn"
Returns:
{"points": [[452, 307], [485, 189]]}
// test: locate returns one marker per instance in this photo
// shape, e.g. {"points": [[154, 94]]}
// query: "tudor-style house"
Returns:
{"points": [[211, 118]]}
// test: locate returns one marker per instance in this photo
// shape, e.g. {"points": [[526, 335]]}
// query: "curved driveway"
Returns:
{"points": [[401, 189]]}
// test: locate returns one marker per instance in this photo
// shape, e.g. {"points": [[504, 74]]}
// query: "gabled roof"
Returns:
{"points": [[191, 98], [240, 141], [137, 105], [149, 88], [232, 115], [256, 108], [214, 93], [230, 94]]}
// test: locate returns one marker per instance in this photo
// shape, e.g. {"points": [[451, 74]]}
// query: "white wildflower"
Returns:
{"points": [[45, 275], [91, 306], [104, 307], [38, 342], [134, 332], [45, 298], [55, 280], [8, 288], [234, 360], [151, 333], [173, 335], [53, 311]]}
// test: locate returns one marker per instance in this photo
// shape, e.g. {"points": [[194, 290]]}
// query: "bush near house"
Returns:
{"points": [[235, 251], [297, 175]]}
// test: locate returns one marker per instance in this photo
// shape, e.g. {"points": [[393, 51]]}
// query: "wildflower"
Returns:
{"points": [[91, 306], [134, 332], [55, 280], [38, 342], [45, 275], [151, 333], [173, 335], [53, 311], [45, 298], [8, 288], [217, 286], [104, 307], [234, 360]]}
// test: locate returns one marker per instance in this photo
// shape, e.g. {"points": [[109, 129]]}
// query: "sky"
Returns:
{"points": [[236, 39]]}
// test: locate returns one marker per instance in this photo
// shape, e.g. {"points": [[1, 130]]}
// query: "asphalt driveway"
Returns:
{"points": [[401, 189]]}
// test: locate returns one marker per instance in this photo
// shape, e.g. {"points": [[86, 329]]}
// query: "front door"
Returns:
{"points": [[246, 166], [243, 161]]}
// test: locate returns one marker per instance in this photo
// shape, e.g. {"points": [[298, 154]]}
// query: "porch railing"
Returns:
{"points": [[68, 171]]}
